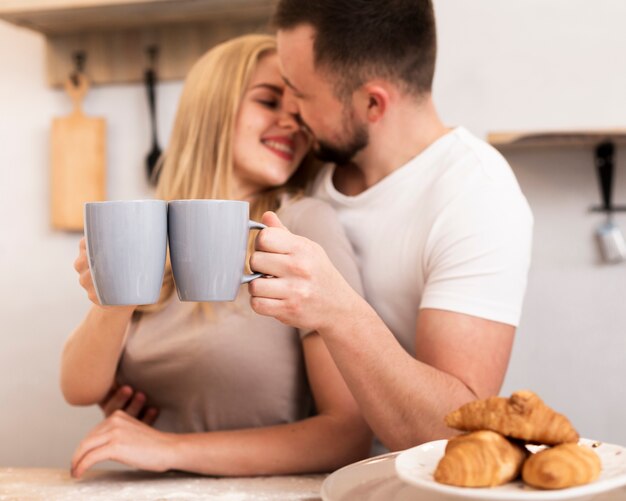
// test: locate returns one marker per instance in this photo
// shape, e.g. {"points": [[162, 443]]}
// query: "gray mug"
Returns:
{"points": [[208, 243], [126, 248]]}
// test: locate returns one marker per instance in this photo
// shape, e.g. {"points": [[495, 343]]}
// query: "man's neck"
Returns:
{"points": [[407, 131]]}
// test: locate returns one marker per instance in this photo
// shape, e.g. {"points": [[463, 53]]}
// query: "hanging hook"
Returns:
{"points": [[604, 156], [153, 54], [605, 170], [80, 58]]}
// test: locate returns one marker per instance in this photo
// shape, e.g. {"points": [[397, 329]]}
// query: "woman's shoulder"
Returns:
{"points": [[305, 210], [317, 221]]}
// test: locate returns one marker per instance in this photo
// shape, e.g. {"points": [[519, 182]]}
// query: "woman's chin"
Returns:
{"points": [[278, 178]]}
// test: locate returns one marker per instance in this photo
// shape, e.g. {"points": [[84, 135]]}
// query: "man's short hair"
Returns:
{"points": [[356, 40]]}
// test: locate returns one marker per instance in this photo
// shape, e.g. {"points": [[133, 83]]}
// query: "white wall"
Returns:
{"points": [[558, 64], [515, 64], [40, 299]]}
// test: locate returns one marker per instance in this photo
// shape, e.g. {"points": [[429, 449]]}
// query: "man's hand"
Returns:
{"points": [[303, 289], [123, 438], [132, 402]]}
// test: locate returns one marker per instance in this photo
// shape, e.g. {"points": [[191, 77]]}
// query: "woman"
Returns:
{"points": [[232, 387]]}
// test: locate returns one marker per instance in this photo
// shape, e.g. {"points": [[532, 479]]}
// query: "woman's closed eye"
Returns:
{"points": [[269, 103]]}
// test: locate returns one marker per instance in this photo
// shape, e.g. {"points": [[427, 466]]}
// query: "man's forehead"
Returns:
{"points": [[297, 41], [295, 52]]}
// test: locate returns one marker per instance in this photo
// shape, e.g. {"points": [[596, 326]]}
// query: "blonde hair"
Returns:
{"points": [[198, 163]]}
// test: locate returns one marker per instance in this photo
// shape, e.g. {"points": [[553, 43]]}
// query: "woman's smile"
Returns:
{"points": [[280, 146]]}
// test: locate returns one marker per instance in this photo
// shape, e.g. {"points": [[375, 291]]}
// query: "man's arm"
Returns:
{"points": [[403, 399]]}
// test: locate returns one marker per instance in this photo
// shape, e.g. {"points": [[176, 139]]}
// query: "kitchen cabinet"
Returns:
{"points": [[115, 35], [556, 138]]}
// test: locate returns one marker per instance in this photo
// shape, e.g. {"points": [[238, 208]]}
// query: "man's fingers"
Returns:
{"points": [[150, 416], [268, 263], [267, 307], [82, 244], [271, 288], [118, 400], [136, 404], [270, 219], [276, 240]]}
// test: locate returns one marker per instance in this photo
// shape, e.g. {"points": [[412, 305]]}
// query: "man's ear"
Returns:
{"points": [[375, 98]]}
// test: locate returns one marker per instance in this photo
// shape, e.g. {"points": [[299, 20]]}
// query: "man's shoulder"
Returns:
{"points": [[475, 181], [474, 151], [466, 166]]}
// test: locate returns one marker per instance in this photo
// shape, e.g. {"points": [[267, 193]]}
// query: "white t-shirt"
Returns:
{"points": [[449, 230]]}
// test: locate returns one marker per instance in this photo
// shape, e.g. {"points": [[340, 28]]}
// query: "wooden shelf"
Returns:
{"points": [[114, 34], [64, 16], [561, 138]]}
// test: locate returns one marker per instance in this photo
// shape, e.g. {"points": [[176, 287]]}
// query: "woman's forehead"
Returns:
{"points": [[267, 71]]}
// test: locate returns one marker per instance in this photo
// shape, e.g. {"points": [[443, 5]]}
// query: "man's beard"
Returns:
{"points": [[344, 153]]}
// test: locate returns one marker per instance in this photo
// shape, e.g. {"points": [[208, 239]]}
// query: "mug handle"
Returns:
{"points": [[253, 225]]}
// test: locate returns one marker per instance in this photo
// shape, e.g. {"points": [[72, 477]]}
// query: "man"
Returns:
{"points": [[440, 227]]}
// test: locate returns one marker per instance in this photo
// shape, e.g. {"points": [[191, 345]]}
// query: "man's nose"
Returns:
{"points": [[290, 104], [289, 116], [289, 120]]}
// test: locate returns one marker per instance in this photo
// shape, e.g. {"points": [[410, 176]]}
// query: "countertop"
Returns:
{"points": [[35, 484]]}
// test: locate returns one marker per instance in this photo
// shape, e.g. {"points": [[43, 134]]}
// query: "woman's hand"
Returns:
{"points": [[81, 265], [92, 352], [123, 438]]}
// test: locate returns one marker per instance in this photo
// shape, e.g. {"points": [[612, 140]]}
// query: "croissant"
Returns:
{"points": [[523, 416], [564, 465], [480, 459]]}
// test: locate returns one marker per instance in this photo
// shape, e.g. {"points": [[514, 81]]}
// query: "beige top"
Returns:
{"points": [[235, 369]]}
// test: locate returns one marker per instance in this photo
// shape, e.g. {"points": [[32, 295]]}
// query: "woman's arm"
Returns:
{"points": [[336, 436], [91, 353]]}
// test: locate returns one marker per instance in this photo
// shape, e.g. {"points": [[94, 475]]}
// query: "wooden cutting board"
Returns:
{"points": [[78, 150]]}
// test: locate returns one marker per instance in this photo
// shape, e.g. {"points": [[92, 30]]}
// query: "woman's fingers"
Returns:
{"points": [[103, 452], [124, 439], [85, 280], [92, 441], [81, 261], [102, 434]]}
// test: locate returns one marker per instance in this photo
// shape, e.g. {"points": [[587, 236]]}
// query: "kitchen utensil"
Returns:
{"points": [[126, 247], [609, 236], [78, 159], [150, 78], [208, 241]]}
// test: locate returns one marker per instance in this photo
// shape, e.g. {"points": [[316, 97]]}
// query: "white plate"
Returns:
{"points": [[416, 466], [372, 479]]}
